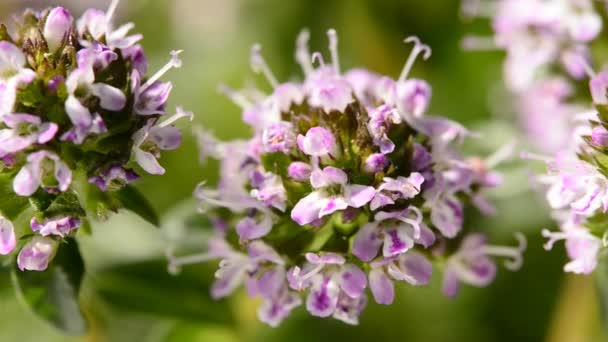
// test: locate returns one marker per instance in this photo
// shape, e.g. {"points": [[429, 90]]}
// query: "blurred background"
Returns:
{"points": [[127, 293]]}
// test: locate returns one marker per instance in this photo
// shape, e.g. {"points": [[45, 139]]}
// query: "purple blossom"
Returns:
{"points": [[411, 267], [36, 254], [61, 226], [318, 142], [13, 74], [320, 203], [376, 162], [279, 137], [43, 169], [13, 139], [472, 264], [115, 176], [8, 240], [57, 26], [299, 171]]}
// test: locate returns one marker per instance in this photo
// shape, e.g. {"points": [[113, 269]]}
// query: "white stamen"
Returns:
{"points": [[501, 155], [553, 238], [416, 50], [236, 97], [333, 49], [111, 10], [179, 113], [174, 263], [317, 56], [417, 212], [477, 8], [533, 156], [302, 53], [174, 62], [310, 274], [476, 43], [515, 254], [258, 64], [588, 69]]}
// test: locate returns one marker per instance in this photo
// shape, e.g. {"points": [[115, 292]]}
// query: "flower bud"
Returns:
{"points": [[58, 23], [599, 135], [375, 163], [7, 236], [36, 254], [299, 171]]}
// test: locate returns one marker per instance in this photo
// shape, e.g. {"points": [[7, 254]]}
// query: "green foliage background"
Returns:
{"points": [[127, 294]]}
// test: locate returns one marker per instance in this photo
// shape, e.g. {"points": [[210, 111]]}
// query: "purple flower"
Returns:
{"points": [[279, 301], [376, 162], [250, 228], [278, 137], [36, 254], [410, 267], [98, 23], [472, 264], [394, 189], [152, 99], [152, 138], [23, 131], [271, 192], [299, 171], [396, 232], [582, 247], [381, 120], [320, 203], [327, 277], [114, 177], [328, 91], [61, 226], [317, 142], [286, 95], [57, 26], [13, 73], [7, 236], [598, 86], [413, 97], [44, 169], [599, 136]]}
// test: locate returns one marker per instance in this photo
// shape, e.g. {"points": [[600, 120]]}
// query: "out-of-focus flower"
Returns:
{"points": [[75, 105]]}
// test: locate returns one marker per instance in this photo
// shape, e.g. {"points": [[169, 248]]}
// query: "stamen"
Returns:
{"points": [[111, 10], [310, 274], [180, 113], [417, 212], [514, 253], [418, 48], [174, 263], [588, 69], [477, 8], [258, 64], [302, 53], [533, 156], [553, 238], [236, 97], [476, 43], [174, 62], [317, 56], [333, 49], [501, 155]]}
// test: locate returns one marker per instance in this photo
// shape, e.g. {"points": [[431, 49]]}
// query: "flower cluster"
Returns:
{"points": [[546, 45], [75, 109], [548, 55], [345, 184]]}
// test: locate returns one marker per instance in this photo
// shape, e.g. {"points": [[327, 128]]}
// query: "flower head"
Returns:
{"points": [[76, 105], [346, 180]]}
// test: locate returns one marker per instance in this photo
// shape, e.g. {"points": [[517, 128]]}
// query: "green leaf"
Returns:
{"points": [[131, 199], [11, 205], [147, 288], [53, 294]]}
